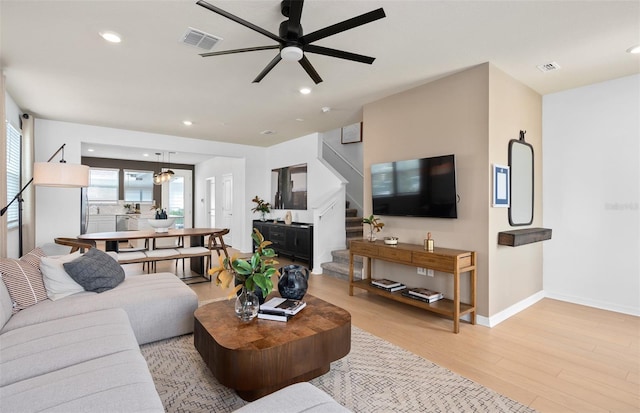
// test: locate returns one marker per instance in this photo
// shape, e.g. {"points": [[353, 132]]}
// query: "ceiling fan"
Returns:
{"points": [[292, 43]]}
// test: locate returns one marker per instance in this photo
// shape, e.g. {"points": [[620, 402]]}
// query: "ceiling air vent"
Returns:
{"points": [[548, 67], [200, 39]]}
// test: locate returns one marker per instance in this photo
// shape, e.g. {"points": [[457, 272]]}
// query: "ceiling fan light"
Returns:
{"points": [[291, 53]]}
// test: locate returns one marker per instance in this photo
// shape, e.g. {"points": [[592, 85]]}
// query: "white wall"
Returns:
{"points": [[324, 189], [320, 180], [58, 209], [216, 168], [591, 153]]}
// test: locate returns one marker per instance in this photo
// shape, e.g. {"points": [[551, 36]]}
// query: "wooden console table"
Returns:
{"points": [[444, 260]]}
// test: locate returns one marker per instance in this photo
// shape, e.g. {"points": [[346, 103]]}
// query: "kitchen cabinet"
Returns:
{"points": [[101, 223]]}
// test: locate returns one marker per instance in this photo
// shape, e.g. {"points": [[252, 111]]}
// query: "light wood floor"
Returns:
{"points": [[553, 356]]}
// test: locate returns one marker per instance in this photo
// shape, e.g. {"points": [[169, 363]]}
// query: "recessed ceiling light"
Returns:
{"points": [[267, 132], [326, 109], [145, 154], [111, 37], [90, 150], [187, 122], [300, 119], [634, 49], [305, 90]]}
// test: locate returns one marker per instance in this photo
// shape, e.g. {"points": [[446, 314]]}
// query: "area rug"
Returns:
{"points": [[376, 376]]}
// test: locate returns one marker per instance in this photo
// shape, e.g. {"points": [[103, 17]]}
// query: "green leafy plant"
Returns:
{"points": [[261, 206], [374, 224], [255, 271]]}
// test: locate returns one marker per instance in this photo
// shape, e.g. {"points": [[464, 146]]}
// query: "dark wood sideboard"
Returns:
{"points": [[294, 241]]}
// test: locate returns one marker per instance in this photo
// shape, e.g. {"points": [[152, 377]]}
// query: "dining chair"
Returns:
{"points": [[75, 244], [214, 243]]}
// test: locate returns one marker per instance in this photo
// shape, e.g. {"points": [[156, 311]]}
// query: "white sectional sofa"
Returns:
{"points": [[81, 353]]}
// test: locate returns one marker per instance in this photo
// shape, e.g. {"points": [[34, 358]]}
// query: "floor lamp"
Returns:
{"points": [[60, 174]]}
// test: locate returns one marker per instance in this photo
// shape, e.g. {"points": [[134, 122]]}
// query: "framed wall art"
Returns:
{"points": [[351, 133], [501, 186]]}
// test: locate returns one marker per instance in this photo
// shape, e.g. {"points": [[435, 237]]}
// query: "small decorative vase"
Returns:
{"points": [[288, 219], [247, 305], [294, 281], [372, 237], [263, 216], [257, 291]]}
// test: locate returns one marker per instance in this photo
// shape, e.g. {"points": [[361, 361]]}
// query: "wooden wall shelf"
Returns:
{"points": [[523, 236]]}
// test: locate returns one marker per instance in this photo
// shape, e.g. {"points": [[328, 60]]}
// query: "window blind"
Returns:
{"points": [[13, 173], [103, 185]]}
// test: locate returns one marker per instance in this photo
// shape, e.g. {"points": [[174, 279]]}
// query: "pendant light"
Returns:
{"points": [[169, 173], [157, 176]]}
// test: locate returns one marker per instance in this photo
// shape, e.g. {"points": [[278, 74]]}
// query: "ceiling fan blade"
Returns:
{"points": [[306, 64], [342, 26], [267, 69], [239, 20], [341, 54], [246, 49], [295, 12]]}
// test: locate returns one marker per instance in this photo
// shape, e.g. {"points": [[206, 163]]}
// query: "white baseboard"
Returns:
{"points": [[595, 304], [496, 319]]}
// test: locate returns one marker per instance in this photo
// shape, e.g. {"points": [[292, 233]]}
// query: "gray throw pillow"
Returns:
{"points": [[95, 271]]}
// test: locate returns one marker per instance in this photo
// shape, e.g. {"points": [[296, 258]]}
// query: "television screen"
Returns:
{"points": [[417, 188]]}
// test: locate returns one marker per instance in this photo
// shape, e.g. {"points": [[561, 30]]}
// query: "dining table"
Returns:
{"points": [[196, 239]]}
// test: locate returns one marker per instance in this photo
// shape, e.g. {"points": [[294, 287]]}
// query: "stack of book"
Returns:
{"points": [[423, 294], [388, 285], [280, 309]]}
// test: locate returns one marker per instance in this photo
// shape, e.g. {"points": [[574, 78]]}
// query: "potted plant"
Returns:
{"points": [[247, 275], [374, 223], [263, 207]]}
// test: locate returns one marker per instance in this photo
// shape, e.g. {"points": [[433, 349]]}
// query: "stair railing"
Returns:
{"points": [[345, 160], [328, 227], [353, 176]]}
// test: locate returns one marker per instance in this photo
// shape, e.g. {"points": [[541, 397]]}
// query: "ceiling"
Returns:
{"points": [[58, 67]]}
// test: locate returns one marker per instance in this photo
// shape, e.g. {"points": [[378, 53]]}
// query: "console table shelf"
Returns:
{"points": [[445, 260]]}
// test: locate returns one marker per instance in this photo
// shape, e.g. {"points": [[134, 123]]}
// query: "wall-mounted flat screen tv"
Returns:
{"points": [[415, 188]]}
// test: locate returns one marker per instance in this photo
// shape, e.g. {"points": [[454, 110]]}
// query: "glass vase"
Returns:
{"points": [[247, 305], [371, 237]]}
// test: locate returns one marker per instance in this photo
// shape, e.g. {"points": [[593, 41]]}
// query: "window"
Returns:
{"points": [[138, 186], [176, 200], [103, 185], [13, 173]]}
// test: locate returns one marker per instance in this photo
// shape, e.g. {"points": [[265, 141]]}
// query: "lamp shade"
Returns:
{"points": [[60, 174]]}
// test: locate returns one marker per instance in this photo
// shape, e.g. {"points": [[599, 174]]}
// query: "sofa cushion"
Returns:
{"points": [[118, 382], [296, 398], [23, 279], [6, 305], [53, 345], [159, 306], [56, 280], [95, 271]]}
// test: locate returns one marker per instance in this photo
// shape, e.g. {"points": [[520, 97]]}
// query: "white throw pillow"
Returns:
{"points": [[56, 280]]}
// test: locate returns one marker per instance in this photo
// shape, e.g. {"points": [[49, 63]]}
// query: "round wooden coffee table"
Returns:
{"points": [[262, 356]]}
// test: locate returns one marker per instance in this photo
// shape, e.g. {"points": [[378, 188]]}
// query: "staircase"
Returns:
{"points": [[339, 267]]}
